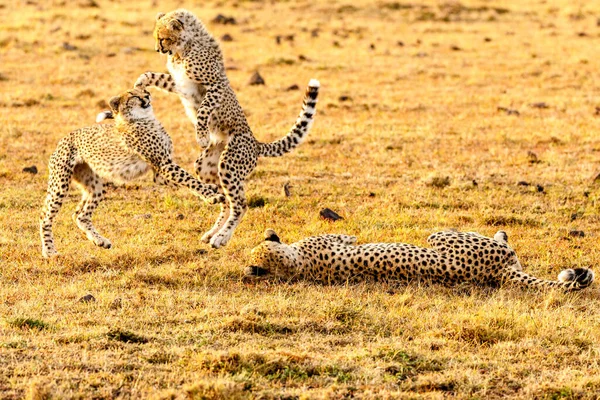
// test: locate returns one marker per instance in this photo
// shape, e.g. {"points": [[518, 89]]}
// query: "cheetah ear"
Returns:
{"points": [[271, 236], [176, 25], [114, 104], [159, 15], [501, 236]]}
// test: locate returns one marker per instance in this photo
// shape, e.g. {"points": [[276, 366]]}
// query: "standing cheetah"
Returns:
{"points": [[119, 152], [197, 75], [454, 258]]}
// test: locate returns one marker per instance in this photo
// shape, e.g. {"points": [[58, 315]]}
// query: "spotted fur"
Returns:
{"points": [[120, 152], [197, 75], [453, 258]]}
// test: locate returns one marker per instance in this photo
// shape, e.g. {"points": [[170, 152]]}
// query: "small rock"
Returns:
{"points": [[582, 34], [400, 43], [293, 87], [539, 105], [116, 304], [69, 47], [32, 170], [179, 217], [330, 215], [597, 112], [523, 183], [286, 190], [314, 33], [421, 54], [372, 46], [224, 20], [371, 194], [487, 39], [87, 298], [143, 216], [439, 182], [302, 57], [576, 233], [455, 48], [3, 78], [532, 157], [509, 111], [336, 44], [102, 104], [227, 38], [89, 4], [256, 79], [344, 98]]}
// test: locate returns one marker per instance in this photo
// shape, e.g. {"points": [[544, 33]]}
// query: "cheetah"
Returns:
{"points": [[197, 75], [135, 144], [455, 257]]}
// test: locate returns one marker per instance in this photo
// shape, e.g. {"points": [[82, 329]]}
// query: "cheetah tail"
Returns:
{"points": [[569, 279], [104, 115], [300, 129]]}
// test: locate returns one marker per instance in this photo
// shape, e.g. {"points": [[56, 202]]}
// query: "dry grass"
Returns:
{"points": [[409, 139]]}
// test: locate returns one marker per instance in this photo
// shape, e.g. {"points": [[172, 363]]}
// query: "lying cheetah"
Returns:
{"points": [[454, 258], [197, 75], [119, 152]]}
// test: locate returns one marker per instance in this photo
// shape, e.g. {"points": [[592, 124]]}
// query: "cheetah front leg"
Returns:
{"points": [[61, 165], [92, 190], [158, 80], [176, 175], [209, 104]]}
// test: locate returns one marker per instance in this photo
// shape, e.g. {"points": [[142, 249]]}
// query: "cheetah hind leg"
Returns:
{"points": [[60, 171], [92, 190], [223, 216]]}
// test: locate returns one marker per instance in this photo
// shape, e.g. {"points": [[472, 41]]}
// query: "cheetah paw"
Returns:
{"points": [[141, 82], [202, 136], [203, 141], [215, 199], [220, 240], [49, 252], [101, 242], [206, 237]]}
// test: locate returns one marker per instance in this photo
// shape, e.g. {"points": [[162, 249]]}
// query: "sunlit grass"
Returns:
{"points": [[408, 139]]}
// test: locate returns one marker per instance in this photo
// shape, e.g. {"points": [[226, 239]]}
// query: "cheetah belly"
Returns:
{"points": [[110, 159], [121, 169]]}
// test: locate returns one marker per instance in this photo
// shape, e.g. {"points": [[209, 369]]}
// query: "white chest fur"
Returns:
{"points": [[187, 89]]}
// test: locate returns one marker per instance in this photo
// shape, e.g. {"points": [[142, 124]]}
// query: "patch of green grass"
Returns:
{"points": [[29, 323]]}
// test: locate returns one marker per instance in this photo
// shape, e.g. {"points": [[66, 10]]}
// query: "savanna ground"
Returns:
{"points": [[409, 139]]}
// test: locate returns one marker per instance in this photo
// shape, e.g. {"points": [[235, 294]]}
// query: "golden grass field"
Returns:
{"points": [[408, 140]]}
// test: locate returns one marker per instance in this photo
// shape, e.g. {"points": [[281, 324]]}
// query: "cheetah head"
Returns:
{"points": [[170, 33], [130, 105], [272, 258]]}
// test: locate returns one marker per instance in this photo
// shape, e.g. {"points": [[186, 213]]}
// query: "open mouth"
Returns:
{"points": [[145, 104], [255, 271]]}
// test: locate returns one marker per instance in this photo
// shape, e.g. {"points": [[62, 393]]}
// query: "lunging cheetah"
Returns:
{"points": [[119, 152], [454, 258], [197, 75]]}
